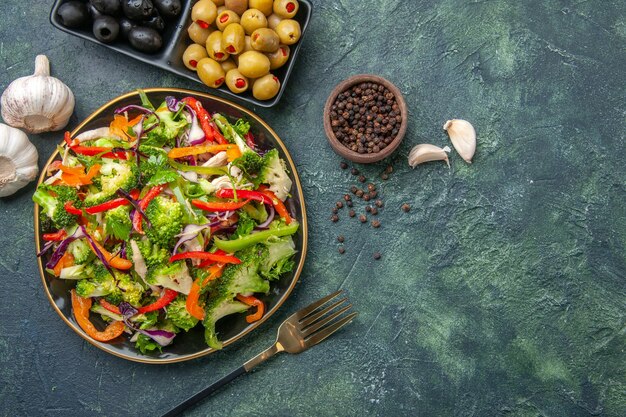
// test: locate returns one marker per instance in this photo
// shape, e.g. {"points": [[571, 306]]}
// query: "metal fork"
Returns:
{"points": [[302, 330]]}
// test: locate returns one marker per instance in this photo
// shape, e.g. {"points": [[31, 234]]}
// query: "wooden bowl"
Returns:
{"points": [[344, 151]]}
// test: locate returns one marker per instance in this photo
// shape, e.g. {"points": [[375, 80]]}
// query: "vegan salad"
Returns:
{"points": [[167, 218]]}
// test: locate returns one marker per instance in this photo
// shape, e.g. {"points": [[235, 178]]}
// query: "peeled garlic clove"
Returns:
{"points": [[463, 137], [426, 152], [38, 103], [18, 160]]}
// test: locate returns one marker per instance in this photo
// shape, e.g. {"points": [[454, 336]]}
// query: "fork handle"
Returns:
{"points": [[199, 396]]}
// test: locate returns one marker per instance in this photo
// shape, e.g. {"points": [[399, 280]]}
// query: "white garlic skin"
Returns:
{"points": [[38, 103], [463, 137], [18, 160]]}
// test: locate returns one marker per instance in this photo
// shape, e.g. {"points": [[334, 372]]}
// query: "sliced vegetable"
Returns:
{"points": [[112, 203], [143, 204], [192, 303], [80, 307], [226, 259], [253, 301], [116, 261], [280, 207], [219, 205], [69, 207], [167, 297], [245, 194], [231, 150], [240, 243], [199, 169], [66, 260], [54, 237]]}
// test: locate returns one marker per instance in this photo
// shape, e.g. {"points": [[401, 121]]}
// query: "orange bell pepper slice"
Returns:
{"points": [[76, 176], [81, 307], [66, 260], [279, 206], [114, 260], [253, 301], [193, 306], [119, 126], [232, 151]]}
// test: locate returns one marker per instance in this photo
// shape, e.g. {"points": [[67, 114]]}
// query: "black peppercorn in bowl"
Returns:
{"points": [[365, 118]]}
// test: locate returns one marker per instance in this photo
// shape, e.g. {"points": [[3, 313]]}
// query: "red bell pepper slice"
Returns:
{"points": [[252, 195], [253, 301], [209, 262], [168, 296], [203, 117], [249, 137], [280, 207], [109, 205], [108, 306], [219, 205], [225, 259], [154, 191], [93, 150], [69, 207], [55, 237]]}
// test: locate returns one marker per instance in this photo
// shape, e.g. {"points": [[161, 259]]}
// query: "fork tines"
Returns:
{"points": [[324, 317]]}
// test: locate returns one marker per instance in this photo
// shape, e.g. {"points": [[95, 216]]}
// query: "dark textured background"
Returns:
{"points": [[501, 293]]}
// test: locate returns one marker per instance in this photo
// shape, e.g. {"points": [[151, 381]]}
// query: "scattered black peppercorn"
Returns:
{"points": [[377, 255], [373, 194], [343, 165], [340, 239], [347, 197], [374, 211], [334, 210], [354, 171], [385, 177], [349, 203], [362, 178], [353, 189], [379, 203], [406, 207], [352, 213], [376, 224], [362, 218], [371, 187], [339, 204], [368, 209], [366, 197], [389, 169], [342, 250], [334, 218], [359, 193]]}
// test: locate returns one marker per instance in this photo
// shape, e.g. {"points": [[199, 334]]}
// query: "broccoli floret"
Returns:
{"points": [[249, 162], [244, 278], [81, 251], [100, 283], [106, 314], [217, 307], [245, 225], [114, 175], [177, 312], [256, 210], [167, 130], [156, 160], [52, 199], [173, 275], [274, 173], [132, 291], [146, 345], [152, 254], [242, 127], [278, 260], [146, 320], [117, 222], [166, 218]]}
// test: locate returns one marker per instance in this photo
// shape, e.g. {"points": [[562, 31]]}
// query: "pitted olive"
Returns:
{"points": [[253, 64], [210, 72], [228, 65], [204, 13], [266, 87], [225, 18], [198, 34], [236, 82], [237, 6], [286, 8], [265, 6], [233, 38], [214, 46], [193, 54], [264, 40], [273, 20], [253, 19], [279, 58], [288, 31]]}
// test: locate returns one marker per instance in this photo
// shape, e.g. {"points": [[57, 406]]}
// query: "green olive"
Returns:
{"points": [[253, 19], [228, 65], [214, 47], [265, 6], [198, 34], [265, 40], [233, 38], [273, 20], [279, 57], [193, 54], [218, 2], [226, 18], [253, 64], [266, 87], [221, 9], [236, 82], [288, 31], [210, 72], [204, 13], [237, 6], [247, 44], [286, 8]]}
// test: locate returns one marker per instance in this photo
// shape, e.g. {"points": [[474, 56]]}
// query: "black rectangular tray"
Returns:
{"points": [[175, 41]]}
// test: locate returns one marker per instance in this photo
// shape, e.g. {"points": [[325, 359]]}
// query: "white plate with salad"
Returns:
{"points": [[168, 225]]}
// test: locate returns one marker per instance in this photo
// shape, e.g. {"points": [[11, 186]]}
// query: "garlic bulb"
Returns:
{"points": [[18, 160], [38, 103], [463, 137], [426, 152]]}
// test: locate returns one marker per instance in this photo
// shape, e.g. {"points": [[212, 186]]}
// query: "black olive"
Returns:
{"points": [[137, 9], [73, 14], [93, 11], [155, 22], [169, 9], [145, 39], [126, 25], [106, 29], [108, 7]]}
